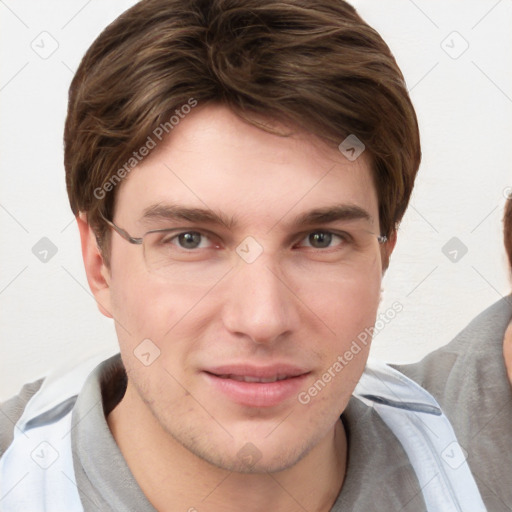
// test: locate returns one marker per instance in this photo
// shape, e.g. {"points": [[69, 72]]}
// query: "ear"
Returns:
{"points": [[98, 275], [386, 249]]}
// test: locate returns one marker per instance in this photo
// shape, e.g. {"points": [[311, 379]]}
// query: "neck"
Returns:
{"points": [[192, 484], [507, 351]]}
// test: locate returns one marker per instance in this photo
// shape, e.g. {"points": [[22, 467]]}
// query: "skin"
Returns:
{"points": [[295, 303], [507, 351]]}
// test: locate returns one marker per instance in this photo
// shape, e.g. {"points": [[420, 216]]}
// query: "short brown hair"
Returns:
{"points": [[315, 65]]}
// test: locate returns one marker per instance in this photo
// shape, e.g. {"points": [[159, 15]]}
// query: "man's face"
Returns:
{"points": [[277, 287]]}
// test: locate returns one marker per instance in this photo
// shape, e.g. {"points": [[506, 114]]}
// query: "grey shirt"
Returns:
{"points": [[379, 476], [469, 380]]}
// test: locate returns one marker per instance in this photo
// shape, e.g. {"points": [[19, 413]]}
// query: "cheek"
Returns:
{"points": [[152, 343], [143, 305], [347, 306], [346, 302], [170, 314]]}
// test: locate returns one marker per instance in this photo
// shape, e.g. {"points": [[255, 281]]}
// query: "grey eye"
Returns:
{"points": [[190, 240], [320, 239]]}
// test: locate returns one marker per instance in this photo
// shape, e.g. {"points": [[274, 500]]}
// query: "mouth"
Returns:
{"points": [[257, 386], [247, 378]]}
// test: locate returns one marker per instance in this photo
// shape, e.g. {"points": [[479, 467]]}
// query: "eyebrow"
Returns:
{"points": [[174, 212], [332, 214], [348, 212]]}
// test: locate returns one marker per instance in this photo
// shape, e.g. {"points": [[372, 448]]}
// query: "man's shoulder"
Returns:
{"points": [[11, 411], [468, 378], [58, 386], [479, 342], [378, 468]]}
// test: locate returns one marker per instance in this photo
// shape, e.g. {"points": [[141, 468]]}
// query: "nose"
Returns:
{"points": [[259, 305]]}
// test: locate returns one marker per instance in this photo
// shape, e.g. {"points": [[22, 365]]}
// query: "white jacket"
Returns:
{"points": [[37, 475]]}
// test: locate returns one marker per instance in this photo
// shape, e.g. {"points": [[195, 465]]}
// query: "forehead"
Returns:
{"points": [[212, 159]]}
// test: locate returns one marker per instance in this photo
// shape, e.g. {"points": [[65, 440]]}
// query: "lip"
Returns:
{"points": [[257, 394]]}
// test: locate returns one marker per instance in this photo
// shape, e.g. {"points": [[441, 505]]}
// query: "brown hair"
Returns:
{"points": [[315, 65], [507, 230]]}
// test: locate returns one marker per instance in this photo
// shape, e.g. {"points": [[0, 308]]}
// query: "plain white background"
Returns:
{"points": [[455, 56]]}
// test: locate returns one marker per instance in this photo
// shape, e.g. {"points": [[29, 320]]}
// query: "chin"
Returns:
{"points": [[249, 459], [247, 454]]}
